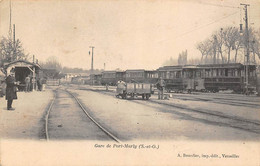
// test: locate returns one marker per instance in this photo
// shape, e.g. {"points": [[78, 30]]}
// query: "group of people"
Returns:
{"points": [[28, 83], [12, 87]]}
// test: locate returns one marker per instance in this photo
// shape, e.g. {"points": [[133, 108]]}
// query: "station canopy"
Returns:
{"points": [[21, 64]]}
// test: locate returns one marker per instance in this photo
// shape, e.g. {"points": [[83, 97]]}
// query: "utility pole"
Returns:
{"points": [[214, 49], [246, 45], [10, 21], [14, 55], [92, 68]]}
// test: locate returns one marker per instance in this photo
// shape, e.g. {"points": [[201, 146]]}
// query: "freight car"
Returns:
{"points": [[133, 90]]}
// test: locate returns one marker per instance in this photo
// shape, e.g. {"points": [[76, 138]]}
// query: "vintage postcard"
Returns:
{"points": [[120, 82]]}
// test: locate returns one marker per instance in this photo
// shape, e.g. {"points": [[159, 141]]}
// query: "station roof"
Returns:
{"points": [[225, 65], [135, 70], [21, 63], [110, 71]]}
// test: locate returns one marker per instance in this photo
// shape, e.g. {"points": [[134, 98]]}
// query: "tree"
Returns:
{"points": [[205, 49], [170, 62], [230, 36], [182, 59], [52, 63], [10, 51], [220, 43], [254, 43]]}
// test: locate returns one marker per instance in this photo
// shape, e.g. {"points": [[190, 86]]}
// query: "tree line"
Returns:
{"points": [[227, 45]]}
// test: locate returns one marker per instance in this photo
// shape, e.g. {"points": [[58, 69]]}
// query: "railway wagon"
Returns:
{"points": [[94, 79], [192, 80], [112, 77], [108, 78], [227, 76], [172, 75], [141, 75], [134, 90]]}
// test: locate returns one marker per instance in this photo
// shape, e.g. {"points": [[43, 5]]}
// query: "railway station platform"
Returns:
{"points": [[27, 120]]}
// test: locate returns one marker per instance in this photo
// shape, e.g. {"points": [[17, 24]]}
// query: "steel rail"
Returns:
{"points": [[93, 120], [47, 118], [204, 112]]}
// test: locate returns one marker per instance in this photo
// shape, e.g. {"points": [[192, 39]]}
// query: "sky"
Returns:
{"points": [[126, 34]]}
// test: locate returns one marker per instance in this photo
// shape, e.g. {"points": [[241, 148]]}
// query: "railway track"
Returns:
{"points": [[210, 117], [56, 106], [217, 100]]}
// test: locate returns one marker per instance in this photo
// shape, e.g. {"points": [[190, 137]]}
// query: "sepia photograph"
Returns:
{"points": [[129, 82]]}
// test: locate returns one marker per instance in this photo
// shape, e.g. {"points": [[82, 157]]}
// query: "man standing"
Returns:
{"points": [[27, 84], [160, 86], [10, 90]]}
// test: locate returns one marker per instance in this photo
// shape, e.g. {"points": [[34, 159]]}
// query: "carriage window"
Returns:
{"points": [[198, 74], [226, 72], [242, 73], [235, 73], [229, 72], [167, 74], [184, 74], [214, 72], [203, 73], [207, 73], [178, 74]]}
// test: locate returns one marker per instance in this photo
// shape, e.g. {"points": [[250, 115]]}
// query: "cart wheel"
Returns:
{"points": [[147, 96]]}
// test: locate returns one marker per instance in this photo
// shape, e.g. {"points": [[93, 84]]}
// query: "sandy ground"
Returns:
{"points": [[142, 120], [249, 112], [26, 121], [67, 121], [136, 122]]}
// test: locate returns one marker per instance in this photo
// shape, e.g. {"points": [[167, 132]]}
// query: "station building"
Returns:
{"points": [[22, 69]]}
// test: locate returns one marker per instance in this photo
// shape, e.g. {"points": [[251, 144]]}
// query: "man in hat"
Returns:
{"points": [[160, 86], [10, 89]]}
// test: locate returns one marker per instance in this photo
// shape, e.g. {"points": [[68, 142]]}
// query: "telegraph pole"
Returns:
{"points": [[92, 68], [246, 45], [14, 55], [214, 49], [10, 21]]}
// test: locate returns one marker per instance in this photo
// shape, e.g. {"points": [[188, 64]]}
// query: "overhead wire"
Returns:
{"points": [[203, 26], [211, 4]]}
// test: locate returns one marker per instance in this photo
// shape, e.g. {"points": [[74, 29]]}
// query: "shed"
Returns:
{"points": [[22, 69]]}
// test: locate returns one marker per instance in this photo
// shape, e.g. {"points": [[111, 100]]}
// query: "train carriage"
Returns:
{"points": [[141, 75], [204, 77], [108, 78], [227, 76], [112, 77], [172, 75]]}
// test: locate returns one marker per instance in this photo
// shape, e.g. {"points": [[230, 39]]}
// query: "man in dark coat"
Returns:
{"points": [[10, 90], [160, 86]]}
